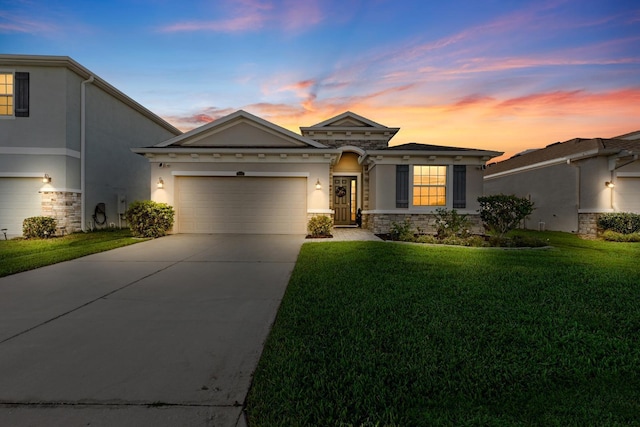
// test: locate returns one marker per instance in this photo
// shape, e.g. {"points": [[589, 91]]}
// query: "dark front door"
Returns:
{"points": [[344, 200]]}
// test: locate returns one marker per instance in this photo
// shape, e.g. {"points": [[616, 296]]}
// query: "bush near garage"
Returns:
{"points": [[39, 227], [620, 222], [147, 218], [320, 225]]}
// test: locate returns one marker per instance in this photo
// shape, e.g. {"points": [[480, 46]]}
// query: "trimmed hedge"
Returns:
{"points": [[620, 222], [147, 218], [39, 227], [320, 225]]}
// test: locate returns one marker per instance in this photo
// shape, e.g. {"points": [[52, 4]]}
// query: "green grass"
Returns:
{"points": [[21, 255], [381, 333]]}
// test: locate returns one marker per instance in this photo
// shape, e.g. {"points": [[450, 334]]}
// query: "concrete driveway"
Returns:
{"points": [[163, 333]]}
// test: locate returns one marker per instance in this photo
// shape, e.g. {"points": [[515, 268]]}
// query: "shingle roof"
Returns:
{"points": [[565, 150], [414, 146]]}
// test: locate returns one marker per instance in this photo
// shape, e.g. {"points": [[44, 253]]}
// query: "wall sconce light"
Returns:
{"points": [[609, 184], [160, 183], [46, 178], [318, 185]]}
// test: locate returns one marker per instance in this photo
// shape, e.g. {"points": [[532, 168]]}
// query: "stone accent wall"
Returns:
{"points": [[381, 223], [65, 207], [361, 143], [588, 224]]}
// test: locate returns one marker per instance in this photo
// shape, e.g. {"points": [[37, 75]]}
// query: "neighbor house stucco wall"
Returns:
{"points": [[112, 170], [553, 190]]}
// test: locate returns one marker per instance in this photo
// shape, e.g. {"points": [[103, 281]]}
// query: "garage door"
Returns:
{"points": [[628, 194], [256, 205], [19, 199]]}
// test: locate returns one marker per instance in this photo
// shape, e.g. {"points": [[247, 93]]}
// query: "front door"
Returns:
{"points": [[344, 199]]}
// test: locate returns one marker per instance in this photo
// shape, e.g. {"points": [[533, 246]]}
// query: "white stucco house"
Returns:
{"points": [[571, 183], [243, 174], [65, 139]]}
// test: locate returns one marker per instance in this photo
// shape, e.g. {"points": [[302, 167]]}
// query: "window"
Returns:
{"points": [[14, 94], [6, 94], [429, 185]]}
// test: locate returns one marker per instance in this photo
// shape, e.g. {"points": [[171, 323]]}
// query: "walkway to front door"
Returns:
{"points": [[345, 199]]}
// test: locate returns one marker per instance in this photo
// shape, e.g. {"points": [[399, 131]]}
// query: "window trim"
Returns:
{"points": [[445, 186], [13, 95], [20, 95]]}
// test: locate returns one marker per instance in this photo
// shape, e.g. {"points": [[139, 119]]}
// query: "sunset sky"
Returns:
{"points": [[503, 75]]}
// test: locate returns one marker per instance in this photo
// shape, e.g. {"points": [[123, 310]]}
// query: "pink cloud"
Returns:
{"points": [[253, 15], [17, 24]]}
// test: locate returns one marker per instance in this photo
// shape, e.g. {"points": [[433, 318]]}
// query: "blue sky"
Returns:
{"points": [[494, 74]]}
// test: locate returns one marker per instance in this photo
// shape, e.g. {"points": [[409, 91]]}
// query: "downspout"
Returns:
{"points": [[83, 141]]}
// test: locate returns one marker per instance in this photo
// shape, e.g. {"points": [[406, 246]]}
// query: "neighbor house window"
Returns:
{"points": [[14, 94], [429, 185], [6, 94]]}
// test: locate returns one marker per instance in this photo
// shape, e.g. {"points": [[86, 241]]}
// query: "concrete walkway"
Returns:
{"points": [[162, 333]]}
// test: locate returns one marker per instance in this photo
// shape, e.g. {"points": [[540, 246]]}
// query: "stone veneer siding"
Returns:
{"points": [[588, 224], [65, 207], [381, 223]]}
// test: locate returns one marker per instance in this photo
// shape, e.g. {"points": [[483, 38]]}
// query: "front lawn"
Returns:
{"points": [[21, 255], [381, 333]]}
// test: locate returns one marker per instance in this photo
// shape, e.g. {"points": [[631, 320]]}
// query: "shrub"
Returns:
{"points": [[320, 225], [501, 213], [39, 226], [149, 219], [620, 222], [402, 231], [614, 236], [450, 223]]}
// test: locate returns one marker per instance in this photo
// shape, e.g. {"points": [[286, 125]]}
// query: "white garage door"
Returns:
{"points": [[19, 199], [255, 205], [628, 194]]}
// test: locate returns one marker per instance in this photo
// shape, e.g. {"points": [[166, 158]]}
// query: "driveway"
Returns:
{"points": [[162, 333]]}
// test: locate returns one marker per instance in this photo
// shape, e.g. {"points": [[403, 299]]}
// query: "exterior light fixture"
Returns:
{"points": [[318, 185], [160, 183], [609, 184], [46, 178]]}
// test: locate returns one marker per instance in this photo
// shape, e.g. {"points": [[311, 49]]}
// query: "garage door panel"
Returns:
{"points": [[254, 205], [628, 194], [19, 199]]}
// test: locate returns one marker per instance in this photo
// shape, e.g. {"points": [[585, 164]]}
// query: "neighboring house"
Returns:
{"points": [[243, 174], [65, 139], [572, 182]]}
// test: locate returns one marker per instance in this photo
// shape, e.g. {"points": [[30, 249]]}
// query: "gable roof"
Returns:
{"points": [[259, 133], [67, 62], [573, 149], [348, 119]]}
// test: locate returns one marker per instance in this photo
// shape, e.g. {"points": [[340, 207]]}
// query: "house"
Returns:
{"points": [[571, 183], [65, 139], [243, 174]]}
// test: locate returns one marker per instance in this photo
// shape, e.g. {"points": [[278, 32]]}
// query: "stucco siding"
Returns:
{"points": [[553, 190], [112, 128]]}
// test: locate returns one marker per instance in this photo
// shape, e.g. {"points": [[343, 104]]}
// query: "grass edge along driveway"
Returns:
{"points": [[19, 255], [375, 333]]}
